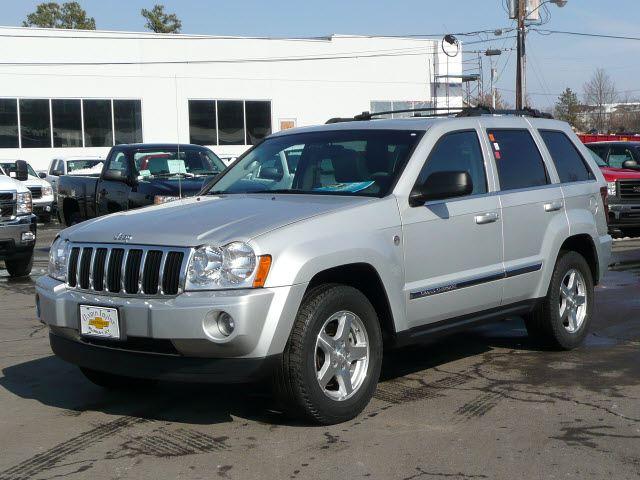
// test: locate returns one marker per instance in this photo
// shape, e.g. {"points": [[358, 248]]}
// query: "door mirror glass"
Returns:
{"points": [[42, 175], [271, 173], [22, 170], [114, 176], [442, 185]]}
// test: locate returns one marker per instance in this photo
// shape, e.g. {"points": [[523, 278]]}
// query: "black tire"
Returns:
{"points": [[110, 381], [545, 323], [46, 218], [296, 381], [73, 218], [19, 267]]}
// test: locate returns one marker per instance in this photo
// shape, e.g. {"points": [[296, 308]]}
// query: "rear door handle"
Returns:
{"points": [[553, 206], [488, 217]]}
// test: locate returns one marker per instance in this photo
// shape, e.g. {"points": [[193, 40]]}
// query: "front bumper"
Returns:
{"points": [[623, 214], [13, 241], [263, 319], [43, 206], [162, 367]]}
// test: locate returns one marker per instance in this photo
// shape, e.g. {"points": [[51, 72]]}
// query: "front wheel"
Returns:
{"points": [[332, 361], [562, 320], [20, 267]]}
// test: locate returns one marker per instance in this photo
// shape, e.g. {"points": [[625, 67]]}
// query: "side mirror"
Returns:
{"points": [[115, 176], [270, 173], [42, 175], [630, 165], [441, 185], [22, 170]]}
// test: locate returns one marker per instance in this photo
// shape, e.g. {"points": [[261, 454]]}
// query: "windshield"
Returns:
{"points": [[75, 165], [9, 167], [332, 162], [169, 162]]}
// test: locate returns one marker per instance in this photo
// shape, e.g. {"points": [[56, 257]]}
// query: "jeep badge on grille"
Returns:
{"points": [[122, 237]]}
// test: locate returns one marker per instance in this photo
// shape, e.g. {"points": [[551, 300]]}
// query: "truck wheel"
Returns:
{"points": [[563, 318], [331, 364], [46, 218], [110, 381], [19, 267]]}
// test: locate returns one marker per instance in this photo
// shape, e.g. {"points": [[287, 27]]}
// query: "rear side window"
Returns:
{"points": [[518, 159], [569, 163], [458, 151]]}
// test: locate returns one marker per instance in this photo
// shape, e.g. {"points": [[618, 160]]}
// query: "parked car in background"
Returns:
{"points": [[135, 176], [17, 223], [387, 233], [41, 190], [83, 165], [620, 165]]}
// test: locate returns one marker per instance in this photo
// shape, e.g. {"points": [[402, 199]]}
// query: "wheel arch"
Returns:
{"points": [[583, 244]]}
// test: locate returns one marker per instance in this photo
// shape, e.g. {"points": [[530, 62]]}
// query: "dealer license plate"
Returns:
{"points": [[100, 322]]}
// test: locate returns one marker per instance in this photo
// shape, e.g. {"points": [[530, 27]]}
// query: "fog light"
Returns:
{"points": [[28, 237], [226, 324]]}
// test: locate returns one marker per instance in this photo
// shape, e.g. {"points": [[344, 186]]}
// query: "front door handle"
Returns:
{"points": [[485, 218], [553, 206]]}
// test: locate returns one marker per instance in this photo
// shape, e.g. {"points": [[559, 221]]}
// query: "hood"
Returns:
{"points": [[613, 174], [36, 182], [172, 186], [8, 183], [217, 220]]}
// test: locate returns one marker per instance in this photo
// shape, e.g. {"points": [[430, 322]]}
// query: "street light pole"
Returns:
{"points": [[521, 69]]}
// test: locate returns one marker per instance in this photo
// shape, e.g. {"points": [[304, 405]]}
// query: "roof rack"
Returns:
{"points": [[476, 111]]}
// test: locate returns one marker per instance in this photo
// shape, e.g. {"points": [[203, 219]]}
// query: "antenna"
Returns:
{"points": [[175, 80]]}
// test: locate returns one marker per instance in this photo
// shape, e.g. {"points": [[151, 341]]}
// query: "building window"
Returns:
{"points": [[389, 105], [67, 123], [127, 119], [202, 122], [35, 125], [229, 122], [258, 122], [8, 123], [98, 127]]}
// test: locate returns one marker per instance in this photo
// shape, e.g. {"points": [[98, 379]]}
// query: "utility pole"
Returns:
{"points": [[521, 69]]}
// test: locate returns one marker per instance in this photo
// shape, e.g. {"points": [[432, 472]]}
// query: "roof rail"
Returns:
{"points": [[476, 111]]}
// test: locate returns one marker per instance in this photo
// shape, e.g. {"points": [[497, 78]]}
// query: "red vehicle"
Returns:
{"points": [[619, 162]]}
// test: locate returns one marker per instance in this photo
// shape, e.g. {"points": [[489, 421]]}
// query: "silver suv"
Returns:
{"points": [[379, 233]]}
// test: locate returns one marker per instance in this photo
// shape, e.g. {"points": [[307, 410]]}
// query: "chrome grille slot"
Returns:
{"points": [[36, 192], [127, 270], [629, 189], [7, 205]]}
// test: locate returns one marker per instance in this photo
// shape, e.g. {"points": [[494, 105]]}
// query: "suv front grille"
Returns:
{"points": [[7, 205], [127, 270], [36, 192], [629, 189]]}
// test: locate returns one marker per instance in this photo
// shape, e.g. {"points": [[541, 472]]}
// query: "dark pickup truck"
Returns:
{"points": [[135, 176]]}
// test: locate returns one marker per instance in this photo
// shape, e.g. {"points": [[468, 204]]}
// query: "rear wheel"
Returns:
{"points": [[19, 267], [332, 361], [563, 318]]}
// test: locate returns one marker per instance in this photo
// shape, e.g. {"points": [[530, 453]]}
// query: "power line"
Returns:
{"points": [[584, 34]]}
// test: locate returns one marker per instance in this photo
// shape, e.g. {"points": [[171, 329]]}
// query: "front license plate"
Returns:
{"points": [[100, 322]]}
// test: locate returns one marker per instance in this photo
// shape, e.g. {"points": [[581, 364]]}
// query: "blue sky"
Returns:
{"points": [[555, 61]]}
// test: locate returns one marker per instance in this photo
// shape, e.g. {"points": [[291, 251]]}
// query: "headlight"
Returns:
{"points": [[47, 191], [160, 199], [24, 205], [231, 266], [58, 255], [612, 189]]}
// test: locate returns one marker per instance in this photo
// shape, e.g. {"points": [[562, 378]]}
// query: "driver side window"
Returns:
{"points": [[457, 151], [118, 162]]}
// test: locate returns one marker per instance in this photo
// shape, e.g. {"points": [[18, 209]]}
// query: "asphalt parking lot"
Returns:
{"points": [[483, 404]]}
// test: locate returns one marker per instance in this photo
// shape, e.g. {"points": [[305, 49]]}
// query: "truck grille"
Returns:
{"points": [[127, 270], [629, 189], [7, 205], [36, 192]]}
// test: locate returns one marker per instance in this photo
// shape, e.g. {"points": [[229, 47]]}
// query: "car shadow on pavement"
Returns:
{"points": [[58, 384]]}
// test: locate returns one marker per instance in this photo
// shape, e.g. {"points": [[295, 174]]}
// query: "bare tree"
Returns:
{"points": [[599, 92]]}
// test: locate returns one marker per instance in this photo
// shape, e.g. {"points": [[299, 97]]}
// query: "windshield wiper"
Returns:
{"points": [[281, 190]]}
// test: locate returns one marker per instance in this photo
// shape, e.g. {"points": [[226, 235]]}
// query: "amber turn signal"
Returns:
{"points": [[264, 264]]}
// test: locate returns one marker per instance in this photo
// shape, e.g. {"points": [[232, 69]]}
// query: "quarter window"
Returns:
{"points": [[8, 123], [457, 151], [569, 163], [518, 159], [35, 127], [67, 123]]}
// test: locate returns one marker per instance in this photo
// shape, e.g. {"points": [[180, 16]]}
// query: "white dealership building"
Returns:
{"points": [[69, 92]]}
